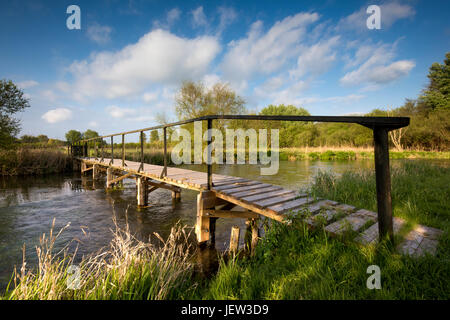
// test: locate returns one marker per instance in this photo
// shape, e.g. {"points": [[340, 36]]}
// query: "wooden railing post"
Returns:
{"points": [[383, 183], [112, 150], [209, 160], [141, 167], [103, 150], [164, 172], [123, 151]]}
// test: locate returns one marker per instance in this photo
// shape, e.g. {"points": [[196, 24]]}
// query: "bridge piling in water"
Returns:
{"points": [[142, 191]]}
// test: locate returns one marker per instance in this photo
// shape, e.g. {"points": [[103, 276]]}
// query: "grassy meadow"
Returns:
{"points": [[290, 262]]}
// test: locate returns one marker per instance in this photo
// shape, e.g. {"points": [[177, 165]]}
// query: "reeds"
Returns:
{"points": [[27, 161], [127, 269]]}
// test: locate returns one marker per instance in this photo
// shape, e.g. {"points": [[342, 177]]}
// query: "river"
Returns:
{"points": [[29, 204]]}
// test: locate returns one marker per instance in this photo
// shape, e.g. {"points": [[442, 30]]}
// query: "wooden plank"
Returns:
{"points": [[240, 189], [290, 205], [230, 214], [269, 195], [370, 235], [230, 180], [236, 185], [120, 178], [164, 186], [276, 200], [324, 216], [315, 207], [256, 192], [234, 239], [354, 221]]}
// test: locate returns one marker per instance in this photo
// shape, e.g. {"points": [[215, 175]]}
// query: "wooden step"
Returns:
{"points": [[354, 221]]}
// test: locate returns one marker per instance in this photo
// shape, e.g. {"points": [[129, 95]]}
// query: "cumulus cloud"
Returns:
{"points": [[263, 53], [119, 113], [99, 34], [199, 17], [158, 57], [27, 84], [376, 66], [57, 115], [316, 59], [226, 17], [172, 16]]}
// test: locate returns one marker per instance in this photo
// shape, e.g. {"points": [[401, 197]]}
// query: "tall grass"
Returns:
{"points": [[127, 269], [293, 262], [28, 161]]}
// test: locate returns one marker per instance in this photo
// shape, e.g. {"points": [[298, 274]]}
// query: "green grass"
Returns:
{"points": [[293, 262]]}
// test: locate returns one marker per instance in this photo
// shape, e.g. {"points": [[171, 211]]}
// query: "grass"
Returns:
{"points": [[290, 262], [129, 269], [352, 153], [27, 161]]}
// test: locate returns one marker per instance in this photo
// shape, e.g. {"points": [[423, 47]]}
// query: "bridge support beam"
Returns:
{"points": [[176, 195], [109, 177], [142, 191], [205, 200], [251, 235], [95, 172]]}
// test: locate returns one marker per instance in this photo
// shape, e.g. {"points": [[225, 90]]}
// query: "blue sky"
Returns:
{"points": [[126, 63]]}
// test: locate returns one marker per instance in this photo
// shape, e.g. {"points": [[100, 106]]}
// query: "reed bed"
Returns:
{"points": [[128, 269], [27, 161]]}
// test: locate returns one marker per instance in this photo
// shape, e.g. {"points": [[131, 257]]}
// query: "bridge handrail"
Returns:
{"points": [[380, 126]]}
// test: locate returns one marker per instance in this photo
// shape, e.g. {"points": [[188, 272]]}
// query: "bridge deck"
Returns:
{"points": [[275, 202]]}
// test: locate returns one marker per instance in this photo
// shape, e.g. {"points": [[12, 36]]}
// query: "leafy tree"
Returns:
{"points": [[154, 136], [73, 136], [437, 94], [12, 100], [89, 134], [42, 138], [29, 139], [289, 130]]}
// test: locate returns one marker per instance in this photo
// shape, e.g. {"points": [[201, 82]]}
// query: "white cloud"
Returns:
{"points": [[378, 67], [57, 115], [199, 18], [264, 53], [49, 95], [158, 57], [172, 16], [99, 34], [226, 17], [150, 96], [93, 124], [27, 84], [120, 113], [317, 58]]}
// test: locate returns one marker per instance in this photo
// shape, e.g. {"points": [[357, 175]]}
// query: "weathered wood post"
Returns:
{"points": [[209, 160], [142, 191], [176, 195], [205, 200], [109, 177], [251, 235], [383, 182], [95, 171], [83, 167], [234, 239]]}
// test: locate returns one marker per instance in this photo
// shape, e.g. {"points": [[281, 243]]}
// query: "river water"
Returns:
{"points": [[29, 204]]}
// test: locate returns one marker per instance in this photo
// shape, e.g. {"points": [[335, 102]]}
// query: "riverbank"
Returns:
{"points": [[27, 161], [291, 262]]}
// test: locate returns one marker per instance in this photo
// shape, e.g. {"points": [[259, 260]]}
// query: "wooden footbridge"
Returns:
{"points": [[219, 194]]}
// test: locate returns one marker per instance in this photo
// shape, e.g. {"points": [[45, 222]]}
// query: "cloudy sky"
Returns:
{"points": [[129, 58]]}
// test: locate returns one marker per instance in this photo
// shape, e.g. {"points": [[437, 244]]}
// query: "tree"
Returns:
{"points": [[12, 100], [42, 138], [73, 136], [289, 130], [437, 94], [195, 100], [154, 136], [89, 134]]}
